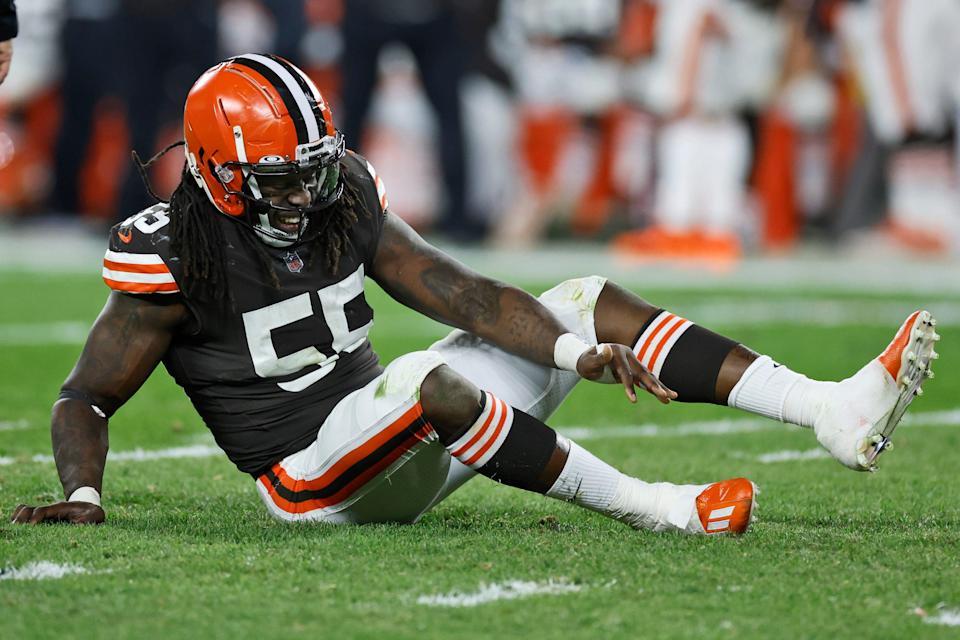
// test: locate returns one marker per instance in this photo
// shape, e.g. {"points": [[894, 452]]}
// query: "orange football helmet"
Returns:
{"points": [[259, 115]]}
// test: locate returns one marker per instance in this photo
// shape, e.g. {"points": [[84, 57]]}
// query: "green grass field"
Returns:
{"points": [[189, 551]]}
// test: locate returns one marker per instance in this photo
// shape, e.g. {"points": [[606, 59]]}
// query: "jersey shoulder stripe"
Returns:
{"points": [[364, 164], [138, 273], [137, 260], [381, 189]]}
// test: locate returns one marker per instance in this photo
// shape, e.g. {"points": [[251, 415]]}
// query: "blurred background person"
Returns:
{"points": [[28, 108], [88, 39], [428, 29], [167, 44], [904, 54], [566, 62], [712, 61]]}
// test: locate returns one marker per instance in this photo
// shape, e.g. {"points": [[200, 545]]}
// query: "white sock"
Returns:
{"points": [[585, 480], [770, 389], [589, 482]]}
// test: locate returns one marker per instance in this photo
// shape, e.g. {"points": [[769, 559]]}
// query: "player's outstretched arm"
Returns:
{"points": [[425, 279], [125, 344]]}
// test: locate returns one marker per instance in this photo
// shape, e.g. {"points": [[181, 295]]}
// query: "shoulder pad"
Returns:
{"points": [[138, 259], [377, 181]]}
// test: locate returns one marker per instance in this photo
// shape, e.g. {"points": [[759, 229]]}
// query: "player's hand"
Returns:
{"points": [[69, 512], [625, 368], [6, 54]]}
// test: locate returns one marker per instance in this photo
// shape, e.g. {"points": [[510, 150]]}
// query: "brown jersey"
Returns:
{"points": [[264, 365]]}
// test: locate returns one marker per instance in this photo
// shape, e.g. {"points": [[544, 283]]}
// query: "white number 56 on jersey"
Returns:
{"points": [[258, 325]]}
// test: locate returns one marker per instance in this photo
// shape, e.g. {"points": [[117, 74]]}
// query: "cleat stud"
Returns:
{"points": [[935, 337], [934, 355], [888, 447], [933, 322], [904, 379], [911, 356], [918, 392], [877, 438], [929, 373]]}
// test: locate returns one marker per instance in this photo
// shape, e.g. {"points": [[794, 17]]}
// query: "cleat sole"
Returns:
{"points": [[914, 369]]}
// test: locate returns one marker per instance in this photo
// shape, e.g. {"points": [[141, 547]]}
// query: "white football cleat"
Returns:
{"points": [[859, 414]]}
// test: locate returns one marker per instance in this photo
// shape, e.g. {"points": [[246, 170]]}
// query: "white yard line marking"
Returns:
{"points": [[821, 312], [945, 617], [14, 425], [711, 428], [40, 571], [43, 333], [790, 455], [487, 593], [140, 455]]}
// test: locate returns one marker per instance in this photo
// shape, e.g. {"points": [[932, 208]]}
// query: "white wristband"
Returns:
{"points": [[567, 351], [85, 494]]}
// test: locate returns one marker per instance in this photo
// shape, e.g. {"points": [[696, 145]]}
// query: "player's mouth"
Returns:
{"points": [[286, 222]]}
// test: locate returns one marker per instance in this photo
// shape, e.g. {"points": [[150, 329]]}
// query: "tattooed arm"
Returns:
{"points": [[125, 345], [429, 281]]}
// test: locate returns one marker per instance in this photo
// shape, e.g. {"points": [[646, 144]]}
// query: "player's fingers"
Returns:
{"points": [[621, 366], [21, 514], [38, 515], [651, 383]]}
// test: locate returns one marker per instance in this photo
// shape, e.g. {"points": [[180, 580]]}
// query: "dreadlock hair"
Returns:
{"points": [[197, 239]]}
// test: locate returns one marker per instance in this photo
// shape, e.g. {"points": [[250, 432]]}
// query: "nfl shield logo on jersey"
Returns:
{"points": [[294, 263]]}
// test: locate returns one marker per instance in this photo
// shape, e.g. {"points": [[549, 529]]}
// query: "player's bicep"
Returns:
{"points": [[426, 279], [125, 344]]}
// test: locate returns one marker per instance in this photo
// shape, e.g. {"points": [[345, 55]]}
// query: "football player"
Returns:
{"points": [[249, 287]]}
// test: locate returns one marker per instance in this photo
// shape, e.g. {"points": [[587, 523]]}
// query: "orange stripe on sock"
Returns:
{"points": [[667, 316], [493, 438], [476, 437], [663, 342]]}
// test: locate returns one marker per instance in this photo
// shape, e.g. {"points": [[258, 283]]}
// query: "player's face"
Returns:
{"points": [[290, 191]]}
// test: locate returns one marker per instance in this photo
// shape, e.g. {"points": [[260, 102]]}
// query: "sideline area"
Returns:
{"points": [[57, 248]]}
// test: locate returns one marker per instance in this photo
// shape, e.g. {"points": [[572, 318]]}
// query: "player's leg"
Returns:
{"points": [[853, 418], [508, 441], [375, 459], [533, 389], [510, 446]]}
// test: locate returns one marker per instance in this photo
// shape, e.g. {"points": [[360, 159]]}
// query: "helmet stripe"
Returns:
{"points": [[317, 105], [291, 93]]}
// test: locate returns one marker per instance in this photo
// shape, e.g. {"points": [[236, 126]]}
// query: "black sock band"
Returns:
{"points": [[693, 364], [506, 445], [523, 457]]}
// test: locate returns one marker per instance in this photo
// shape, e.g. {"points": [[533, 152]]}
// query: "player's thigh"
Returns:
{"points": [[375, 458]]}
